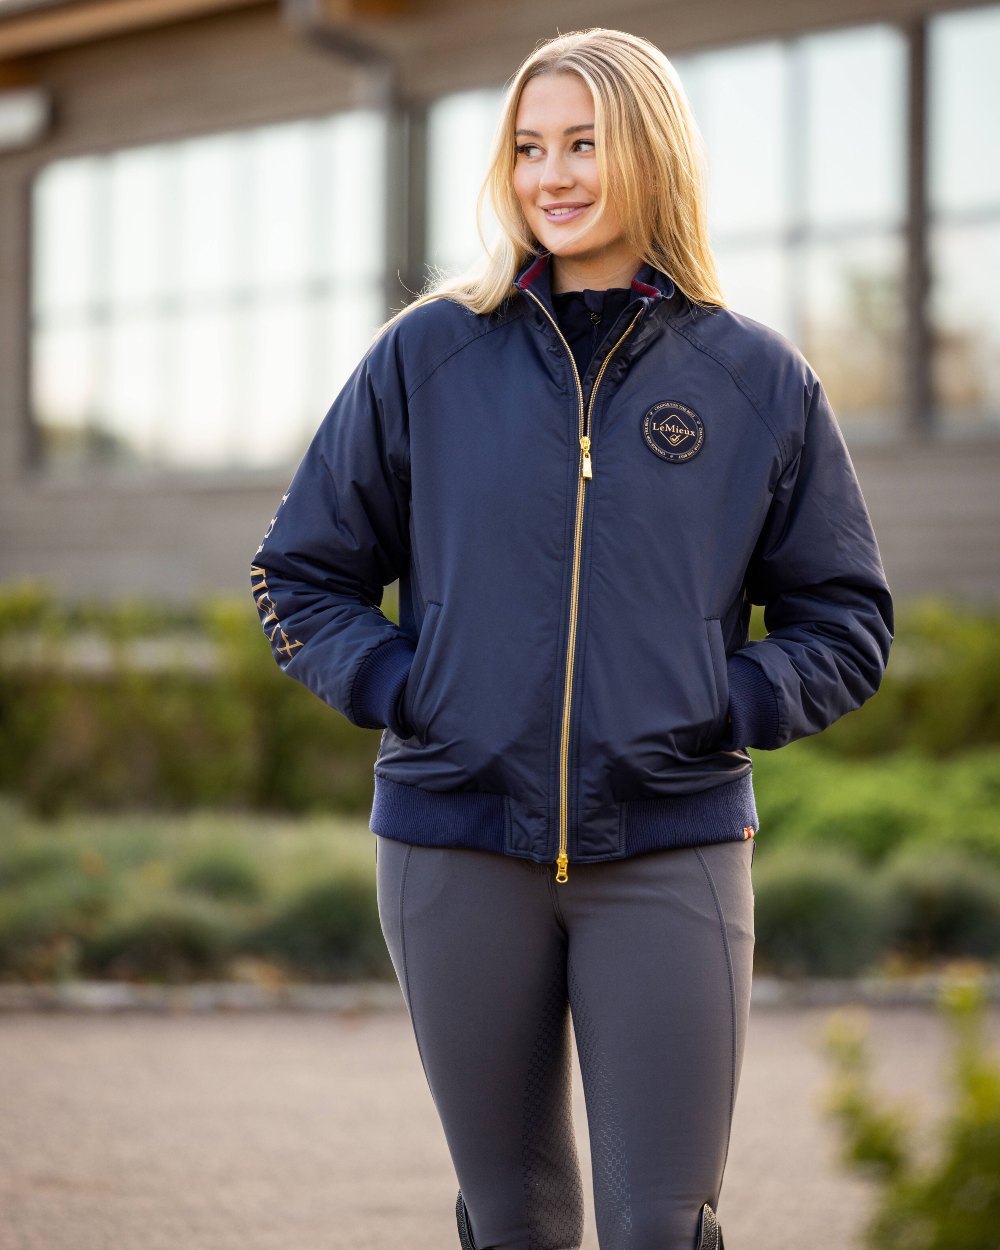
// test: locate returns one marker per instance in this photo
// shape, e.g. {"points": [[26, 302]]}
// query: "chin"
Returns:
{"points": [[569, 251]]}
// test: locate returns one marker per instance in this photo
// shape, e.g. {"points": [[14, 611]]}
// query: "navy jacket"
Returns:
{"points": [[571, 677]]}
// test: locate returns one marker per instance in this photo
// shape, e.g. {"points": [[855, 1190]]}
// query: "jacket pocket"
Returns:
{"points": [[720, 673], [418, 670]]}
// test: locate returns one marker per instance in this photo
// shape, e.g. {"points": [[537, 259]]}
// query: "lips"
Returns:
{"points": [[562, 212]]}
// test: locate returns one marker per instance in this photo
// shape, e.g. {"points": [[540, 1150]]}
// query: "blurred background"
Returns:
{"points": [[206, 208]]}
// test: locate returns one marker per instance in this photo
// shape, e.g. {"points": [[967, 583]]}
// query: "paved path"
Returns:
{"points": [[283, 1131]]}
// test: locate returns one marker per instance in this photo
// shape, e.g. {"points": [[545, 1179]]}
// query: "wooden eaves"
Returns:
{"points": [[33, 26]]}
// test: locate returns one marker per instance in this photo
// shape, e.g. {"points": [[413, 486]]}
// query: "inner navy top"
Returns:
{"points": [[586, 316]]}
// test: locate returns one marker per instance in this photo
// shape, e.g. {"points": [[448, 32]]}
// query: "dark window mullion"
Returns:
{"points": [[414, 257], [406, 182], [919, 417], [101, 293]]}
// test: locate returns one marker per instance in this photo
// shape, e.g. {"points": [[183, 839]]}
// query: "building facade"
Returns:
{"points": [[207, 206]]}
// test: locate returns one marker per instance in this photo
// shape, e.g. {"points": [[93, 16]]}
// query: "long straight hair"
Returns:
{"points": [[650, 158]]}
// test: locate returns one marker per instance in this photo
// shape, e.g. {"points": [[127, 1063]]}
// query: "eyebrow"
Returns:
{"points": [[570, 130]]}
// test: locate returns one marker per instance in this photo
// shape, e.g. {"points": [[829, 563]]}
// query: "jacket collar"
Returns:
{"points": [[648, 284]]}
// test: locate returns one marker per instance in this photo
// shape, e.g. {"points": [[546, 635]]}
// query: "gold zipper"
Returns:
{"points": [[586, 472]]}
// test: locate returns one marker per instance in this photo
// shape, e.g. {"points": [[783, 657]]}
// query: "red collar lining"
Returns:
{"points": [[640, 288], [533, 272]]}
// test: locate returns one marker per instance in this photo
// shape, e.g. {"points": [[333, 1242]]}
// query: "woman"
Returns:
{"points": [[583, 469]]}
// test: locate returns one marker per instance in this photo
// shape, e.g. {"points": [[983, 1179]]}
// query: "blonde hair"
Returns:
{"points": [[650, 156]]}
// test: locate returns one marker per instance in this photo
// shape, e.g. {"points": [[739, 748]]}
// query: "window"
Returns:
{"points": [[460, 131], [964, 218], [805, 142], [197, 305], [807, 152]]}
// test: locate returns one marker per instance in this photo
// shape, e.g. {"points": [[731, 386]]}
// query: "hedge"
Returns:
{"points": [[208, 896], [135, 705]]}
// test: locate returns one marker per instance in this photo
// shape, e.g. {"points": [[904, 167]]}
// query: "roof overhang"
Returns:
{"points": [[32, 26]]}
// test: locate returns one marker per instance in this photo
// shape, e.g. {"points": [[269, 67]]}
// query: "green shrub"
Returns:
{"points": [[24, 860], [867, 807], [964, 804], [166, 938], [222, 872], [185, 897], [941, 691], [807, 796], [43, 925], [818, 913], [947, 904], [215, 723], [328, 930], [952, 1203]]}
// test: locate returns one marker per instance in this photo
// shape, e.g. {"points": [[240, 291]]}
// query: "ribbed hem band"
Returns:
{"points": [[489, 822]]}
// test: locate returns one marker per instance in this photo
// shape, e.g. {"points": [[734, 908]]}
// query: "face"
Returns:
{"points": [[557, 182]]}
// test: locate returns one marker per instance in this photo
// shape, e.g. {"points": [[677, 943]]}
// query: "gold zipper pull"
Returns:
{"points": [[562, 867], [588, 468]]}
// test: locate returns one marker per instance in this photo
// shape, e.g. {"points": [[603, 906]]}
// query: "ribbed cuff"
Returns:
{"points": [[753, 706], [378, 685]]}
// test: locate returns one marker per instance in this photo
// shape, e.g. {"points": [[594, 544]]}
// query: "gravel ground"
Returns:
{"points": [[277, 1130]]}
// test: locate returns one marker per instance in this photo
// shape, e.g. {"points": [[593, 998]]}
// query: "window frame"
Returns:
{"points": [[184, 479]]}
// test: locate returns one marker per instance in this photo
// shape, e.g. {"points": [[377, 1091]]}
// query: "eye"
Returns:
{"points": [[588, 144], [526, 149]]}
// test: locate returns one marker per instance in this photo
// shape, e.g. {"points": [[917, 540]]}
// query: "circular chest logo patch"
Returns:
{"points": [[673, 431]]}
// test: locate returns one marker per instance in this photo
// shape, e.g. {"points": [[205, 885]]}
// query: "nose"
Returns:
{"points": [[555, 173]]}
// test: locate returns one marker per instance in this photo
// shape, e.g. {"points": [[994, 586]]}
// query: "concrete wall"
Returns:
{"points": [[934, 504]]}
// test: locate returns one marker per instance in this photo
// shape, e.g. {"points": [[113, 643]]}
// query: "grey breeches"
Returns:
{"points": [[650, 958]]}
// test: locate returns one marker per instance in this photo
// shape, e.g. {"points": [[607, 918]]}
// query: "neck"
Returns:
{"points": [[577, 273]]}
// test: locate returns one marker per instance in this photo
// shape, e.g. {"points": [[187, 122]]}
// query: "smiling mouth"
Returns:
{"points": [[563, 212]]}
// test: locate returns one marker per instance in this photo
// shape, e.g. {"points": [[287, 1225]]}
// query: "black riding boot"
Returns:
{"points": [[709, 1229], [464, 1231]]}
